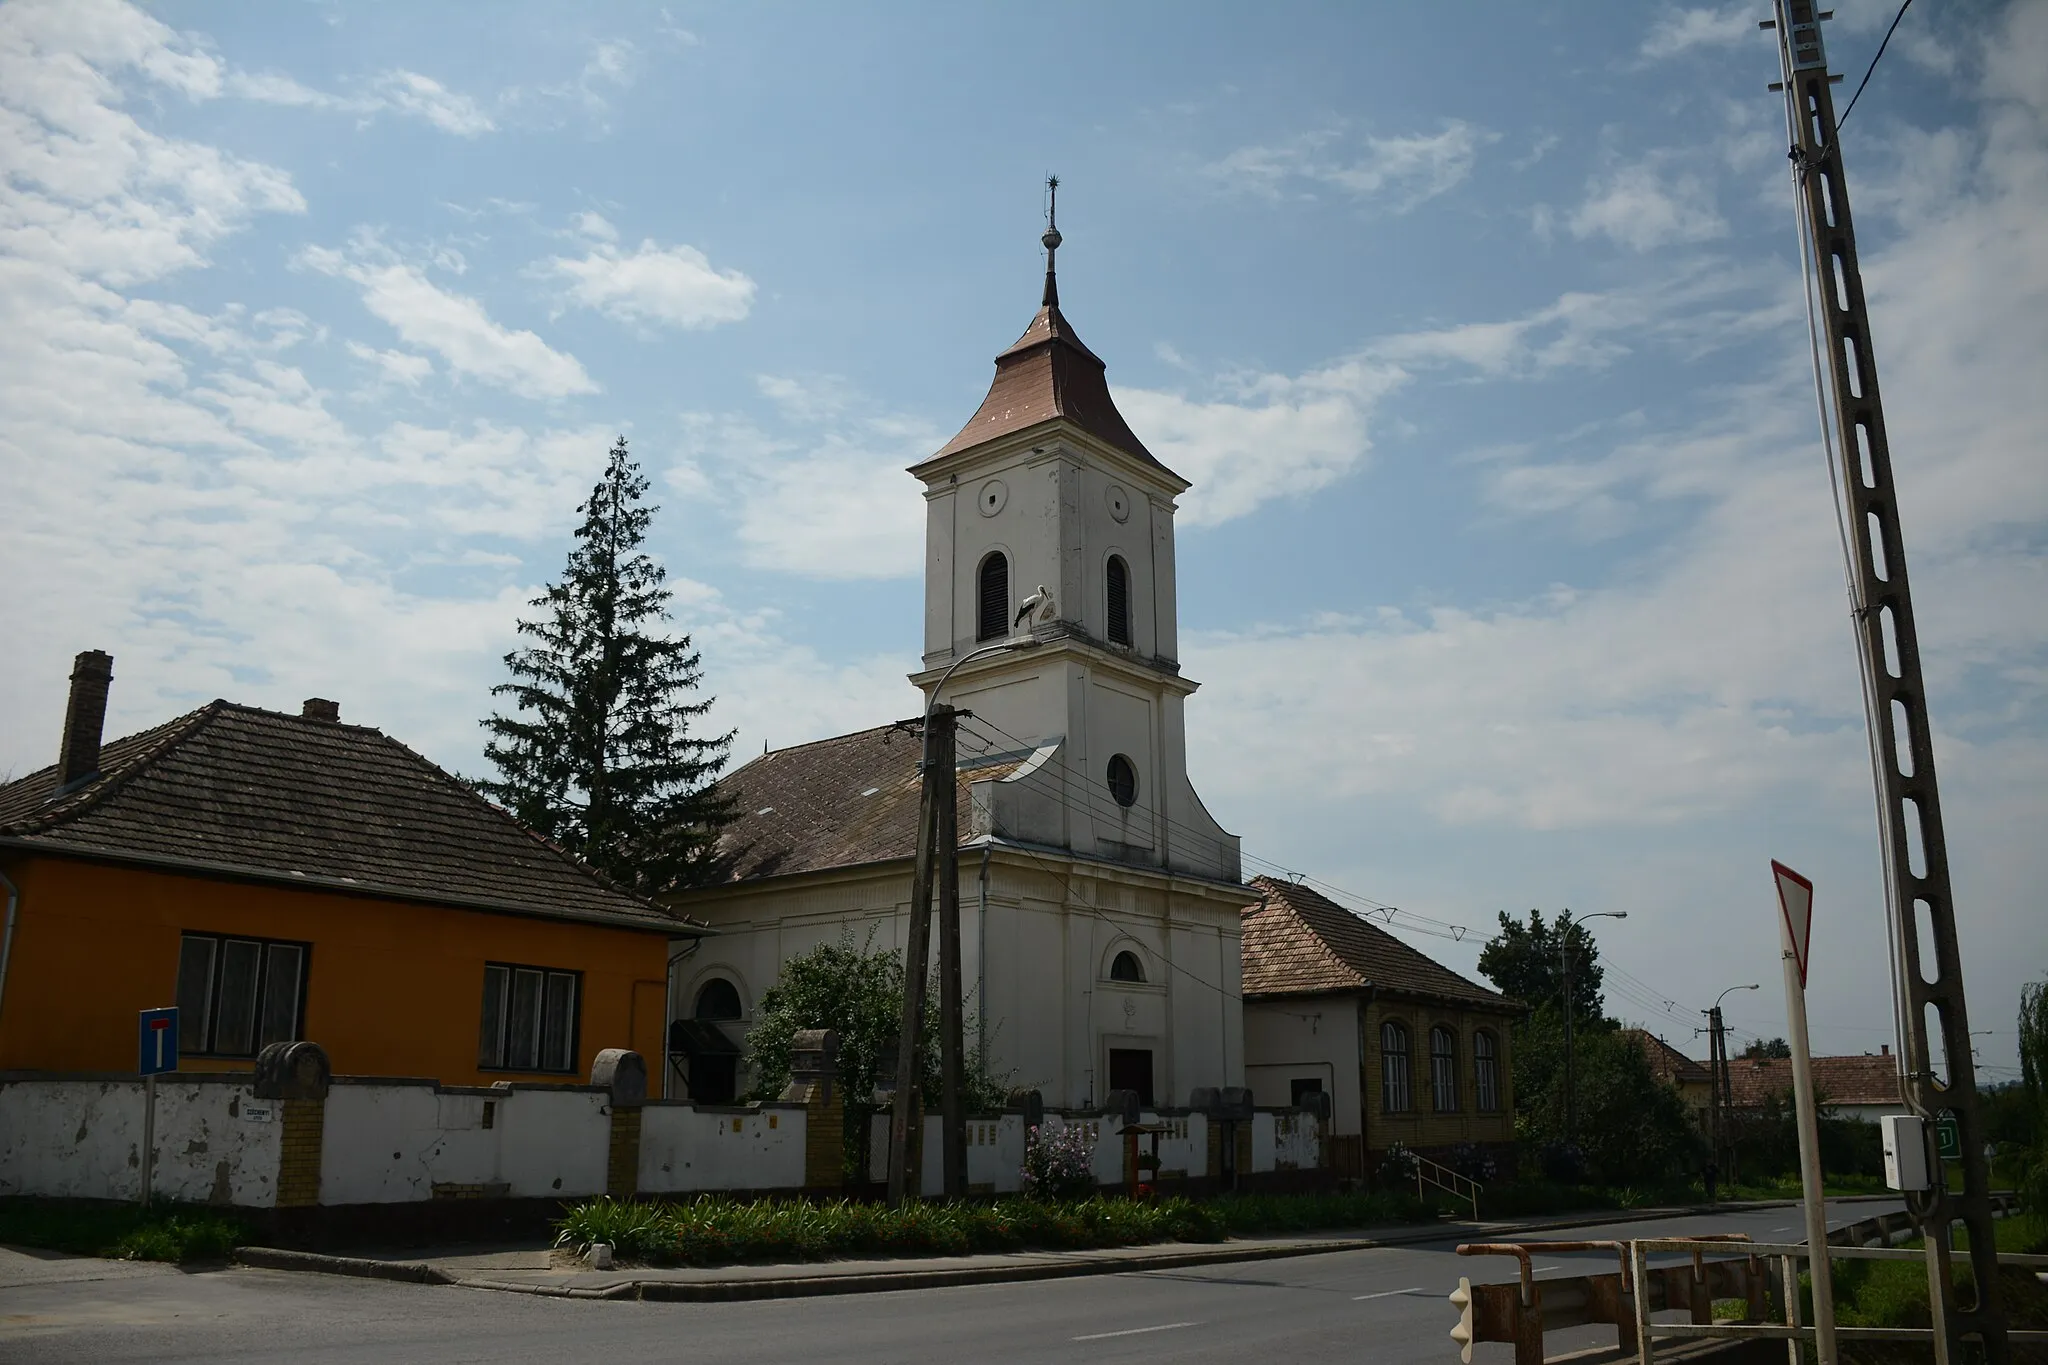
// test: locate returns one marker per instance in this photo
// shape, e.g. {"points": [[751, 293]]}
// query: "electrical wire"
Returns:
{"points": [[1637, 991], [1903, 7]]}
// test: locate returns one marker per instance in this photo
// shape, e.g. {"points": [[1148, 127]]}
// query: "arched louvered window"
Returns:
{"points": [[1443, 1070], [992, 620], [1486, 1071], [1395, 1096], [1119, 601]]}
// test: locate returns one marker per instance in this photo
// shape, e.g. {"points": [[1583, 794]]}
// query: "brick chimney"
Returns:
{"points": [[319, 708], [84, 717]]}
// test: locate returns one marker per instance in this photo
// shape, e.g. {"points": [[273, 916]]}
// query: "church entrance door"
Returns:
{"points": [[1130, 1068]]}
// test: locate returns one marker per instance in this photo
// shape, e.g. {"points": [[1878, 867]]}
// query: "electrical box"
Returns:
{"points": [[1905, 1151]]}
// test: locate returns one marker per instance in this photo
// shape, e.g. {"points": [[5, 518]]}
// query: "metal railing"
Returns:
{"points": [[1520, 1312], [1444, 1178]]}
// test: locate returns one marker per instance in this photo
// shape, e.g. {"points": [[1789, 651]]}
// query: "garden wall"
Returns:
{"points": [[1272, 1141]]}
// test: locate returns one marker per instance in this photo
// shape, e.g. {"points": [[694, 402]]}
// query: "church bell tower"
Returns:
{"points": [[1049, 544]]}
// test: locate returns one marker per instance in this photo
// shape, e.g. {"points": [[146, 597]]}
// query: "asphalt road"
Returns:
{"points": [[1385, 1305]]}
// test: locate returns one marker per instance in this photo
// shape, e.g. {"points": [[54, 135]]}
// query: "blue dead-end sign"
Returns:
{"points": [[159, 1043]]}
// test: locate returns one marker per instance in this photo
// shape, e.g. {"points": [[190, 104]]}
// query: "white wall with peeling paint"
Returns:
{"points": [[760, 1147], [82, 1139], [393, 1142]]}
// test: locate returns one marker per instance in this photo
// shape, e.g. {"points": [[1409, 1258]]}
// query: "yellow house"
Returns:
{"points": [[1409, 1051], [280, 877]]}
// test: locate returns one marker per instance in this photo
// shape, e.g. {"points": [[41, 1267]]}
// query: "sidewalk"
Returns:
{"points": [[545, 1271]]}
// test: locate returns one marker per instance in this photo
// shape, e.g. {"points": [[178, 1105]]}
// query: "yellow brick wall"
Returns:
{"points": [[1421, 1125], [622, 1163], [298, 1162]]}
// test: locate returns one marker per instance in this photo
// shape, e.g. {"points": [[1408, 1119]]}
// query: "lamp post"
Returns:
{"points": [[1717, 1076], [1564, 943]]}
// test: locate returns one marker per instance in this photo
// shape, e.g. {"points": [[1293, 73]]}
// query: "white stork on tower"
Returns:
{"points": [[1040, 602]]}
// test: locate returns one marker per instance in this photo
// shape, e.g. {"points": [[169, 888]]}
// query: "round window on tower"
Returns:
{"points": [[993, 495], [1123, 780]]}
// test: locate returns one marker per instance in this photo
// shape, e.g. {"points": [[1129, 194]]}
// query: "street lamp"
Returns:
{"points": [[1717, 1077], [1012, 642], [1564, 940]]}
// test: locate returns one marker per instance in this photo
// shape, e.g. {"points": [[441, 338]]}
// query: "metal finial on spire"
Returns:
{"points": [[1051, 241]]}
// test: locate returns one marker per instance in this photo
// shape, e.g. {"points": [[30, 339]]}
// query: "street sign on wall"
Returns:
{"points": [[159, 1041]]}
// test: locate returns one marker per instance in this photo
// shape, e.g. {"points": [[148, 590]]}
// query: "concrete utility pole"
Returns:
{"points": [[1919, 903], [1720, 1101], [952, 1036], [938, 756], [1564, 955]]}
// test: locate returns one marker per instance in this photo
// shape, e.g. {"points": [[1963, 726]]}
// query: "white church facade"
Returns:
{"points": [[1100, 901]]}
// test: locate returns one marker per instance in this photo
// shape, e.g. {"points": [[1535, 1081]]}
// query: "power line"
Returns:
{"points": [[1903, 7]]}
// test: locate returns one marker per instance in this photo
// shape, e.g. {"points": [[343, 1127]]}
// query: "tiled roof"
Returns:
{"points": [[246, 792], [1864, 1079], [1048, 373], [1667, 1063], [1299, 942], [837, 802]]}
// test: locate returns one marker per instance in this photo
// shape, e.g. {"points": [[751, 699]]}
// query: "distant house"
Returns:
{"points": [[1859, 1087], [1410, 1051], [281, 877], [1692, 1080]]}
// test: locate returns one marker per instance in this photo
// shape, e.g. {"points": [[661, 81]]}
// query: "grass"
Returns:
{"points": [[1894, 1293], [127, 1232], [710, 1230]]}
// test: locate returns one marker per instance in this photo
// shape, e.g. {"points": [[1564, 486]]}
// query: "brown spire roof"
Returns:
{"points": [[1046, 374]]}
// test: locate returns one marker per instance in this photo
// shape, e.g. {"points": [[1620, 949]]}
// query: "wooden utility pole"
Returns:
{"points": [[938, 729], [952, 1037], [1714, 1046], [1921, 907]]}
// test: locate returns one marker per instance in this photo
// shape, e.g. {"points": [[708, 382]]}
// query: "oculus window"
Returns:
{"points": [[1123, 781]]}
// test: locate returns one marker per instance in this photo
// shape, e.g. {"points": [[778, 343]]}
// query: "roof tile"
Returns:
{"points": [[1299, 942]]}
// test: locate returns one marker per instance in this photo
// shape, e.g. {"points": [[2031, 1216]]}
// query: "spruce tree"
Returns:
{"points": [[598, 754]]}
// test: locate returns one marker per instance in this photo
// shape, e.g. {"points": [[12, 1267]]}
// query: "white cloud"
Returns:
{"points": [[1405, 170], [454, 326], [424, 97], [398, 367], [1261, 437], [1682, 30], [1641, 207], [674, 285]]}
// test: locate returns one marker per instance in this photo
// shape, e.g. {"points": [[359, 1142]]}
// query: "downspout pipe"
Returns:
{"points": [[7, 933]]}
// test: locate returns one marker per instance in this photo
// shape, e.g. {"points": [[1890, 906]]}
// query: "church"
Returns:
{"points": [[1100, 901]]}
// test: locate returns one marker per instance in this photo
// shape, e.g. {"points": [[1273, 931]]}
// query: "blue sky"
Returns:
{"points": [[1508, 570]]}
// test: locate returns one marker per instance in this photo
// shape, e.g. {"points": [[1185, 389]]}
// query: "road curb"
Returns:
{"points": [[277, 1258], [944, 1277]]}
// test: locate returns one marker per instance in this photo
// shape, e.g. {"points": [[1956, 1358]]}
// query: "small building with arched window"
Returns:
{"points": [[1409, 1050]]}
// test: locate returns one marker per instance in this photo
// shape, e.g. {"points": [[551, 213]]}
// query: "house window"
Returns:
{"points": [[1395, 1097], [529, 1019], [1126, 967], [1119, 601], [992, 588], [1443, 1069], [1486, 1071], [1123, 780], [237, 996]]}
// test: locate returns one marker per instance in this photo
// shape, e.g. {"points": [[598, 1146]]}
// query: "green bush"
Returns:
{"points": [[711, 1230], [165, 1232]]}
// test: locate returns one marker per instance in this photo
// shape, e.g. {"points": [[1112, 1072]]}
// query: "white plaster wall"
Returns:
{"points": [[1308, 1039], [83, 1139], [392, 1143], [995, 1153], [1296, 1142], [684, 1148]]}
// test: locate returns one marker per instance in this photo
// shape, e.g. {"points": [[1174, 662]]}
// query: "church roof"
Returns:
{"points": [[1046, 374], [1300, 942], [235, 791], [837, 802]]}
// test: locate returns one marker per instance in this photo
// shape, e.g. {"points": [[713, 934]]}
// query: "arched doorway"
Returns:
{"points": [[710, 1051]]}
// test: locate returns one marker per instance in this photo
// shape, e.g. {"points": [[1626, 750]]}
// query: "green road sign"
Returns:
{"points": [[1948, 1138]]}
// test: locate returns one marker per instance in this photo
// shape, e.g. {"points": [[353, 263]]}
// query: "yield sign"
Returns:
{"points": [[1795, 902]]}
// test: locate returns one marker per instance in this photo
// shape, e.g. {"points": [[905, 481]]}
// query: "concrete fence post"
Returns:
{"points": [[814, 1083], [297, 1076], [623, 1073]]}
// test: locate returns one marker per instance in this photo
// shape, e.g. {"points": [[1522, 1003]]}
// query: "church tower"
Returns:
{"points": [[1050, 611]]}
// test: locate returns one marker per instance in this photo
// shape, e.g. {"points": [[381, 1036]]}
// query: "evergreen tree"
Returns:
{"points": [[598, 754], [1526, 961]]}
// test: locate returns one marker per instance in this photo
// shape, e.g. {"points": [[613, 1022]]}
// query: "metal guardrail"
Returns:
{"points": [[1520, 1312]]}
